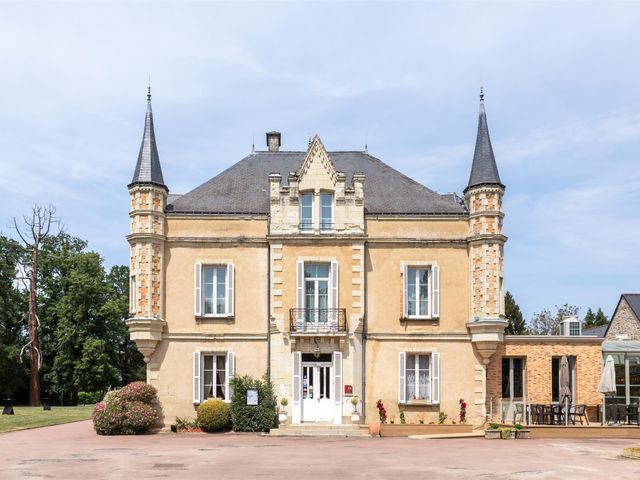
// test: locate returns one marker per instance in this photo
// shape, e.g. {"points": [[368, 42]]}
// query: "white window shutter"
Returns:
{"points": [[405, 288], [300, 290], [402, 377], [337, 387], [198, 290], [435, 296], [230, 373], [334, 292], [435, 378], [230, 286], [296, 383], [196, 377]]}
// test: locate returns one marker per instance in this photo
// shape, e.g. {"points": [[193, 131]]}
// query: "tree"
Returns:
{"points": [[589, 319], [13, 375], [547, 323], [33, 232], [517, 325], [601, 318]]}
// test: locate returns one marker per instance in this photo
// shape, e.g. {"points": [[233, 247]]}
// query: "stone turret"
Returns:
{"points": [[483, 196], [147, 214]]}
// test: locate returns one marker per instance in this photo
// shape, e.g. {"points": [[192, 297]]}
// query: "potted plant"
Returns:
{"points": [[507, 433], [493, 432], [282, 414], [355, 415], [374, 427], [521, 432]]}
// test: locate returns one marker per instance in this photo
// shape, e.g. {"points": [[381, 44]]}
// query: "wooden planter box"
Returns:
{"points": [[407, 429]]}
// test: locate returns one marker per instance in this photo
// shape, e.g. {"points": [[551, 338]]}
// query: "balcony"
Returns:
{"points": [[318, 321]]}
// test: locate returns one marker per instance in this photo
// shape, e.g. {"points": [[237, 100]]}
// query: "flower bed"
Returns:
{"points": [[407, 429]]}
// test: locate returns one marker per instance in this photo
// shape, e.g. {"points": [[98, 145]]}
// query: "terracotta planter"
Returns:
{"points": [[374, 429], [492, 434]]}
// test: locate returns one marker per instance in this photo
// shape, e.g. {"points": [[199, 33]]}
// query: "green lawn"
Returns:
{"points": [[31, 417]]}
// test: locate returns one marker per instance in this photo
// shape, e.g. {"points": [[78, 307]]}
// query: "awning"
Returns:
{"points": [[628, 346]]}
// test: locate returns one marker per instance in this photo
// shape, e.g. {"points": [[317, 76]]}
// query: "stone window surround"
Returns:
{"points": [[404, 266], [230, 305], [433, 376]]}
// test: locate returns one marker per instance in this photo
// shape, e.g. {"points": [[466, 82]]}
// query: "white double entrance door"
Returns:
{"points": [[317, 395]]}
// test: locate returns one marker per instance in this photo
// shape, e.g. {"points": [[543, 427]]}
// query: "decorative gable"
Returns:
{"points": [[316, 175], [317, 171]]}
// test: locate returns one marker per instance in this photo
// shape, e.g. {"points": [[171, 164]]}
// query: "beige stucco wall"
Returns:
{"points": [[250, 288], [459, 369], [212, 227], [171, 369], [385, 288]]}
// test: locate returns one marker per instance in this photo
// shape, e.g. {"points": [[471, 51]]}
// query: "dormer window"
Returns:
{"points": [[316, 212], [571, 327], [306, 212], [326, 212]]}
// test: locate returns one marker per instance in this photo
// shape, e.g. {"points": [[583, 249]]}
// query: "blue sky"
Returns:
{"points": [[562, 96]]}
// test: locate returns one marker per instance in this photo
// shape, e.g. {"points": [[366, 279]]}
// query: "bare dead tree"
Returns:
{"points": [[32, 231]]}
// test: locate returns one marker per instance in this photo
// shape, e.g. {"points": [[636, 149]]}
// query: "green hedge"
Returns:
{"points": [[89, 398], [250, 418]]}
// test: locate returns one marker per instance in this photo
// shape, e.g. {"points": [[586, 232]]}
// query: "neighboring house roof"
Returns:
{"points": [[598, 331], [244, 187], [148, 168], [633, 300], [484, 170]]}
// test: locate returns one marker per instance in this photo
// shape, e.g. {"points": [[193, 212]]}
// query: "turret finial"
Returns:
{"points": [[149, 89], [481, 94]]}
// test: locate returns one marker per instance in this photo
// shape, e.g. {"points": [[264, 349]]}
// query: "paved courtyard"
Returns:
{"points": [[74, 451]]}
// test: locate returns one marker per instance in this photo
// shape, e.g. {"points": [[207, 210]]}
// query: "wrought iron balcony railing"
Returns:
{"points": [[317, 320]]}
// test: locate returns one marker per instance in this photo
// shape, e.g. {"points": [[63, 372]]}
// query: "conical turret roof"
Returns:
{"points": [[484, 170], [148, 168]]}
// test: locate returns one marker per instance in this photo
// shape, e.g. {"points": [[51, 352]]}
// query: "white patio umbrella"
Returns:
{"points": [[608, 378], [607, 383], [565, 388]]}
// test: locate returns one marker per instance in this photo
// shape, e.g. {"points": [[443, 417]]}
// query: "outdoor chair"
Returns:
{"points": [[534, 414], [632, 414], [579, 411], [518, 411]]}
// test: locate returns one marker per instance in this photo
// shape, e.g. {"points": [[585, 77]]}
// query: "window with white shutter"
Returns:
{"points": [[334, 302], [196, 377], [231, 371], [418, 377], [300, 290], [421, 291], [198, 290], [214, 290], [337, 387], [296, 358], [402, 378]]}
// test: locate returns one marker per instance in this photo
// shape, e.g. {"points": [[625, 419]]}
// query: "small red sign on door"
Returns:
{"points": [[348, 389]]}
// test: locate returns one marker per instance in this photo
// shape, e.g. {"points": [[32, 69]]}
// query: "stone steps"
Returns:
{"points": [[320, 430]]}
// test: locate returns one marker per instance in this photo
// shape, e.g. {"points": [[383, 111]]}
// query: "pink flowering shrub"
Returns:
{"points": [[139, 391], [131, 410]]}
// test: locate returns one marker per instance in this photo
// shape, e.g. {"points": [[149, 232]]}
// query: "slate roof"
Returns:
{"points": [[148, 168], [484, 170], [595, 331], [633, 299], [244, 187]]}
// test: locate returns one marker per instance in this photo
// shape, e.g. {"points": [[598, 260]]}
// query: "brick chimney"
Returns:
{"points": [[273, 141]]}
